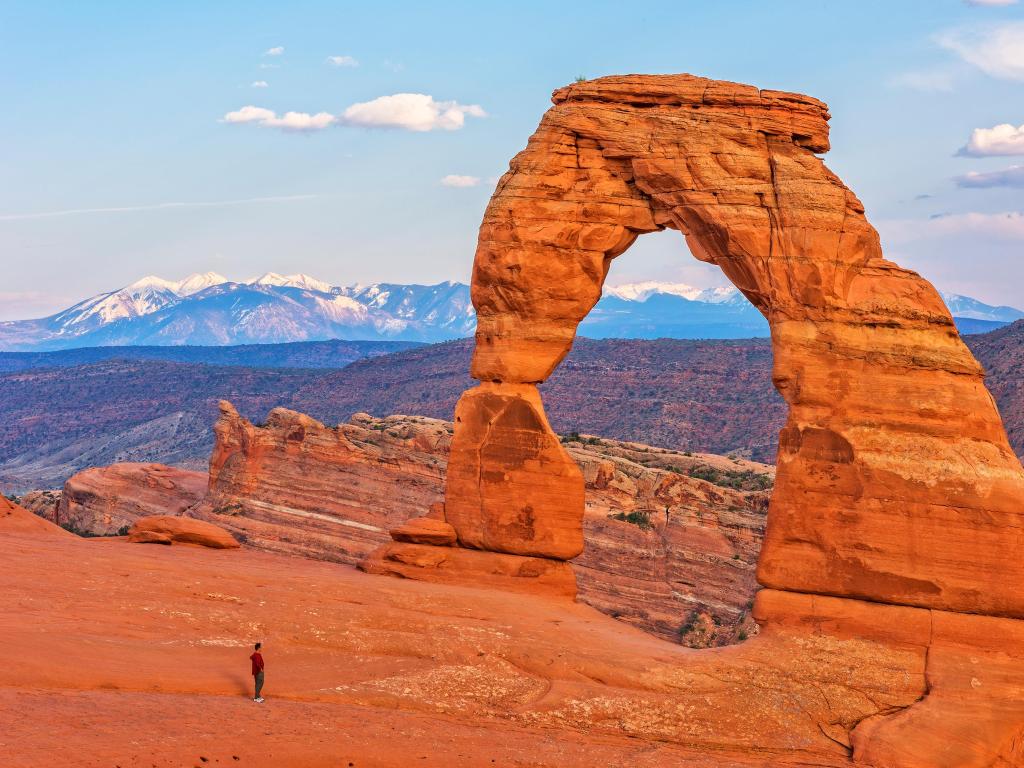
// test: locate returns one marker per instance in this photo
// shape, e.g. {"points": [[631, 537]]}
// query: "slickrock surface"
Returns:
{"points": [[15, 519], [144, 661], [164, 529], [896, 482], [681, 548], [107, 500]]}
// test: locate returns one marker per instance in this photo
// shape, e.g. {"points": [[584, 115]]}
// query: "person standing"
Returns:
{"points": [[257, 672]]}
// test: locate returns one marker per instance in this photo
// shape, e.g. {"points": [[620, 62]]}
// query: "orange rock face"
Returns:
{"points": [[165, 529], [895, 479], [661, 544], [296, 486], [511, 485], [106, 500]]}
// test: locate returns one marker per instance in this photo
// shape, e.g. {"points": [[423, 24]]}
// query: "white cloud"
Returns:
{"points": [[270, 66], [1002, 139], [411, 111], [990, 3], [258, 84], [935, 81], [1007, 177], [248, 114], [1007, 226], [342, 61], [454, 180], [153, 207], [289, 121], [277, 50], [997, 50]]}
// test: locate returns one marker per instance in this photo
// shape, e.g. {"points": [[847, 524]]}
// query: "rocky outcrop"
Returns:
{"points": [[293, 485], [896, 485], [896, 482], [165, 529], [45, 503], [15, 519], [671, 547], [102, 501]]}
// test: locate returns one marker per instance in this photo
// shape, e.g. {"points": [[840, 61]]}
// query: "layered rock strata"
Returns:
{"points": [[667, 541], [898, 499], [896, 482]]}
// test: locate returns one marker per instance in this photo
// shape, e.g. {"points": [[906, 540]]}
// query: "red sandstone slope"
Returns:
{"points": [[145, 663]]}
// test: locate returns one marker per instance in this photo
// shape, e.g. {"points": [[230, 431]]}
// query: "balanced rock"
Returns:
{"points": [[165, 529]]}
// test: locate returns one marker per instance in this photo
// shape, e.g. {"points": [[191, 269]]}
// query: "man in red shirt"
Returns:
{"points": [[257, 672]]}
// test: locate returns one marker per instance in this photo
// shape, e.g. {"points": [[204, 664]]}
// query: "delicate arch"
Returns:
{"points": [[895, 481]]}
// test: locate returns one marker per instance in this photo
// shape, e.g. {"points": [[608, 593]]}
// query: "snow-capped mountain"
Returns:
{"points": [[972, 309], [209, 309]]}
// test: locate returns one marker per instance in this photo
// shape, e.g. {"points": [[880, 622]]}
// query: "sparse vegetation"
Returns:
{"points": [[72, 528], [641, 518], [738, 480]]}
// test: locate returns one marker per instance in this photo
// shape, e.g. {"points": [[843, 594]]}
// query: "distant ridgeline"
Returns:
{"points": [[209, 310]]}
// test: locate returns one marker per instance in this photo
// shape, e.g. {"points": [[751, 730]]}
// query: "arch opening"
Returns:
{"points": [[893, 455]]}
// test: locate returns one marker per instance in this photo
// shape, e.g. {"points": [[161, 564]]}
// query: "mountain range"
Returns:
{"points": [[207, 309]]}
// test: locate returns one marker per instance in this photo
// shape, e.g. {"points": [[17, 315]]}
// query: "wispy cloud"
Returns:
{"points": [[407, 111], [277, 50], [258, 84], [1008, 225], [995, 49], [153, 207], [342, 61], [928, 81], [991, 3], [454, 180], [1003, 139], [1007, 177]]}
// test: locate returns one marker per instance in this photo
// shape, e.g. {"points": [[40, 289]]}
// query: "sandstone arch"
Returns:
{"points": [[896, 483]]}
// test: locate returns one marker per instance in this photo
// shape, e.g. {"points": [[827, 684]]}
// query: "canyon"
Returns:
{"points": [[672, 538], [887, 628]]}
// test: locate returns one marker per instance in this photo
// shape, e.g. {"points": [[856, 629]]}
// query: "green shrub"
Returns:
{"points": [[641, 518]]}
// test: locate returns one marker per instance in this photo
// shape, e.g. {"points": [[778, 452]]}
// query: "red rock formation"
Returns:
{"points": [[18, 520], [895, 481], [106, 500], [294, 485], [381, 672], [661, 544], [532, 502], [165, 529], [44, 503]]}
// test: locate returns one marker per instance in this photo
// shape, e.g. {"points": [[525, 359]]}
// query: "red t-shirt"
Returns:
{"points": [[257, 663]]}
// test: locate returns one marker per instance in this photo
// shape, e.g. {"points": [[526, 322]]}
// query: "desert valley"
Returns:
{"points": [[542, 505]]}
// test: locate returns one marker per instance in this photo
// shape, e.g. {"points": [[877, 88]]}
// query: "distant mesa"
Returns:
{"points": [[208, 309]]}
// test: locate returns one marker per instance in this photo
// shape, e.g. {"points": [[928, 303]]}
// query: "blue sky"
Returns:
{"points": [[125, 106]]}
